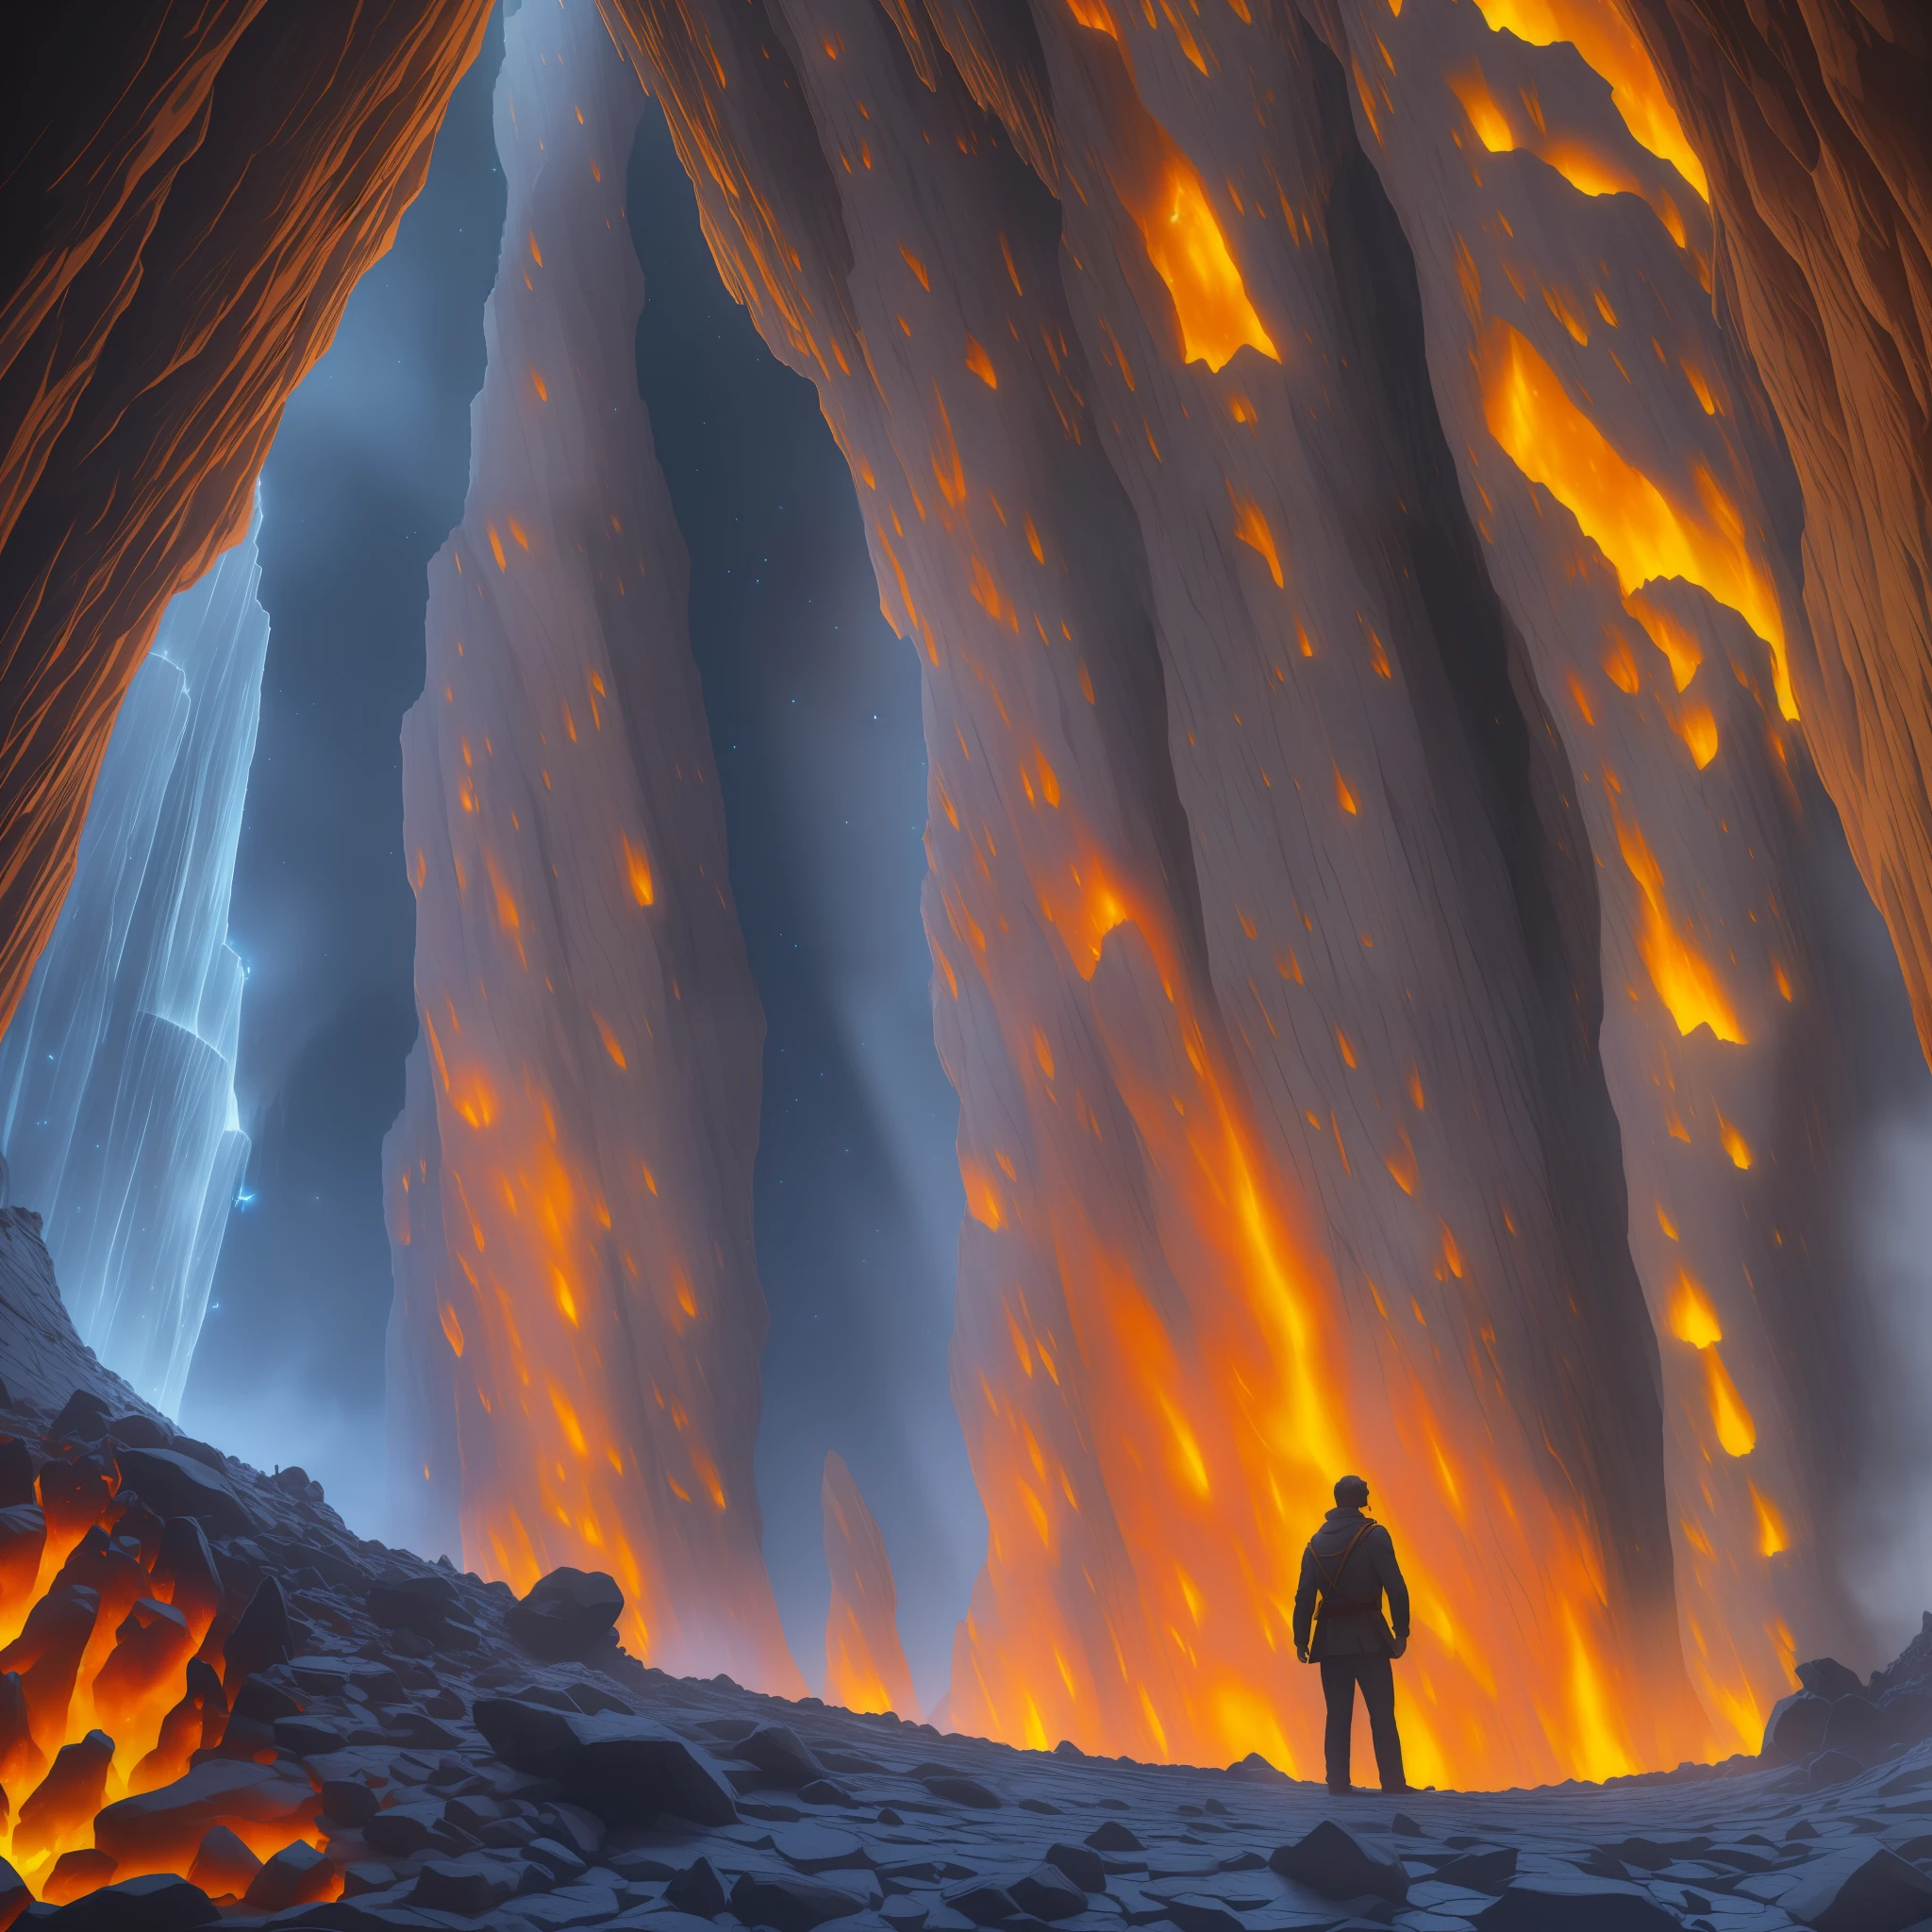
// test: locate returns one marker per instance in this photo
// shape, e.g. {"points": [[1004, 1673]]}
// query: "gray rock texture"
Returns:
{"points": [[574, 1342]]}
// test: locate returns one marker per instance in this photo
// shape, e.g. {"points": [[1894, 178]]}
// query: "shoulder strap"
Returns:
{"points": [[1328, 1582]]}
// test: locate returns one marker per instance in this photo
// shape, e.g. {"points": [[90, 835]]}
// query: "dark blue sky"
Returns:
{"points": [[815, 720]]}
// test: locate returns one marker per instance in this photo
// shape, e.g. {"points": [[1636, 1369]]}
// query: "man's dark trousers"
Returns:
{"points": [[1372, 1672]]}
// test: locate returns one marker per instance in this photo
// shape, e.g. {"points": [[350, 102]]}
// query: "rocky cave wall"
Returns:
{"points": [[1811, 120], [575, 1336], [1062, 301], [1328, 744], [188, 196], [1637, 511], [1231, 953]]}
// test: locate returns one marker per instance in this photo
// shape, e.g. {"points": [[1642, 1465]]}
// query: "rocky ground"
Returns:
{"points": [[391, 1743]]}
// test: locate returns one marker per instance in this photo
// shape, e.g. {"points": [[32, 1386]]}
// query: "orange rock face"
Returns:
{"points": [[865, 1662], [187, 210], [1811, 120], [575, 1340], [1359, 684], [1615, 456]]}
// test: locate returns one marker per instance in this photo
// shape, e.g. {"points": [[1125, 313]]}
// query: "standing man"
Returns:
{"points": [[1350, 1562]]}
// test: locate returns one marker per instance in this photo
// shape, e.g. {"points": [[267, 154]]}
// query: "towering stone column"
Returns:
{"points": [[570, 1184], [1640, 519], [1265, 960]]}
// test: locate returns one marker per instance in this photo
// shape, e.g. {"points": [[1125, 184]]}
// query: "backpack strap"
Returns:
{"points": [[1328, 1582]]}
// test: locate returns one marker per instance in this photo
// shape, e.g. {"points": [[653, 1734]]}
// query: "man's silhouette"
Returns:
{"points": [[1349, 1562]]}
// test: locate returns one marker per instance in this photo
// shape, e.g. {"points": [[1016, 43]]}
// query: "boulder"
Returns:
{"points": [[159, 1903], [1198, 1912], [813, 1848], [1079, 1864], [1864, 1887], [1337, 1864], [259, 1639], [1831, 1768], [1542, 1902], [624, 1769], [177, 1485], [574, 1827], [782, 1756], [1796, 1728], [23, 1538], [16, 1475], [84, 1419], [167, 1825], [963, 1790], [184, 1567], [1110, 1835], [1854, 1724], [980, 1901], [1825, 1677], [139, 1432], [788, 1901], [696, 1890], [399, 1830], [564, 1865], [348, 1801], [224, 1867], [75, 1875], [1048, 1894], [470, 1886], [66, 1798], [14, 1895], [1480, 1868], [567, 1615], [297, 1875]]}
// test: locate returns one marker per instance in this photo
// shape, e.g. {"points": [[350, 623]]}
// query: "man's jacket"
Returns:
{"points": [[1350, 1562]]}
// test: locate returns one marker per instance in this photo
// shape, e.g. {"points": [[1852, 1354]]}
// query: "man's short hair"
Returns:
{"points": [[1350, 1492]]}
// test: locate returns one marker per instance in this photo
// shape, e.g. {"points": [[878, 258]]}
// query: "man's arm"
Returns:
{"points": [[1389, 1574], [1304, 1606]]}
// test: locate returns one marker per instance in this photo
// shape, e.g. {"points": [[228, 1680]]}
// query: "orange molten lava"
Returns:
{"points": [[1604, 38], [1211, 1440], [1641, 532], [102, 1628], [1683, 977], [1186, 247]]}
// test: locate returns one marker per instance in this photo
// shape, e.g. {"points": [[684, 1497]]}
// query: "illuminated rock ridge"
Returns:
{"points": [[118, 1120], [575, 1340], [1373, 868], [865, 1662], [187, 207]]}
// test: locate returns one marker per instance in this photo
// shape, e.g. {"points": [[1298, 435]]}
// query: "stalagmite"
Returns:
{"points": [[118, 1119], [1637, 514], [865, 1662], [574, 1342]]}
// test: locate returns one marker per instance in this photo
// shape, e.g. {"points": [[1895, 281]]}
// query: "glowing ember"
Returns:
{"points": [[1683, 977], [1641, 532], [1185, 243], [1606, 41]]}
